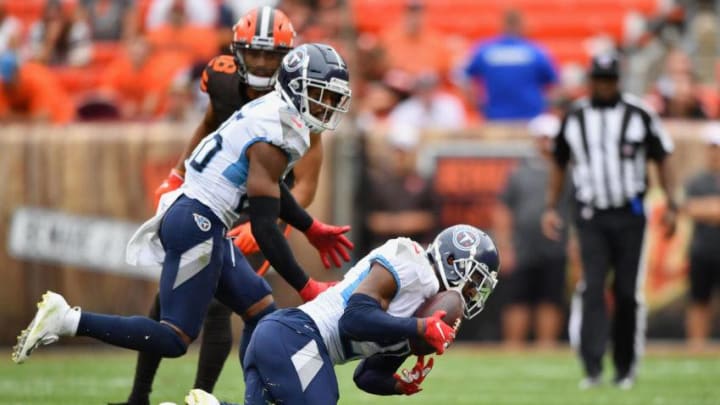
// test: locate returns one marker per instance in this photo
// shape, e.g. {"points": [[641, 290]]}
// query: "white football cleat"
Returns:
{"points": [[54, 318], [199, 397], [626, 383], [588, 383]]}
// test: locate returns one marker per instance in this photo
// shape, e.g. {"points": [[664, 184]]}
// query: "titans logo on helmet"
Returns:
{"points": [[295, 59], [465, 238]]}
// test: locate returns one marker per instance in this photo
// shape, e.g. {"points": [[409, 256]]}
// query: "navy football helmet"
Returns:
{"points": [[315, 80], [463, 254]]}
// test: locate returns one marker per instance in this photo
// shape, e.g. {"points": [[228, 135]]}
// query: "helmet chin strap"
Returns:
{"points": [[260, 82]]}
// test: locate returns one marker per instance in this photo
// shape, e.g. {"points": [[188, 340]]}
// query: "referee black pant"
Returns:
{"points": [[610, 240]]}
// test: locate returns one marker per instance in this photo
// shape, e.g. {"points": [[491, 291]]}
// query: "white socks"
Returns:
{"points": [[70, 322]]}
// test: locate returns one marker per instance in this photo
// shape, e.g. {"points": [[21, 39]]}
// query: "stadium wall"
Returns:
{"points": [[77, 192]]}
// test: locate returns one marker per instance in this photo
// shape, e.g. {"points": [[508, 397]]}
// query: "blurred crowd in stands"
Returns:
{"points": [[416, 65], [128, 59]]}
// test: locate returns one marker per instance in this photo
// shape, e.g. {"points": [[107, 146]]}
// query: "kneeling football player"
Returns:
{"points": [[369, 316]]}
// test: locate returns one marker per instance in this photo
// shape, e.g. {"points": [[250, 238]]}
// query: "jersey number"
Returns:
{"points": [[205, 152]]}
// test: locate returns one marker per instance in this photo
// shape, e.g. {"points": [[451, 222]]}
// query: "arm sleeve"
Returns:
{"points": [[264, 213], [364, 320], [291, 212], [375, 374], [657, 140], [561, 148]]}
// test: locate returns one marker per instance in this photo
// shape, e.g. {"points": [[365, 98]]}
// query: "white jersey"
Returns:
{"points": [[216, 171], [416, 282]]}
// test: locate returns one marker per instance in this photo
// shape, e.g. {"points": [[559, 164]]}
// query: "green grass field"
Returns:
{"points": [[462, 376]]}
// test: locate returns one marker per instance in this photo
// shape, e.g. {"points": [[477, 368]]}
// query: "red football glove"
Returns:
{"points": [[437, 333], [408, 382], [173, 181], [329, 241], [244, 239], [313, 288]]}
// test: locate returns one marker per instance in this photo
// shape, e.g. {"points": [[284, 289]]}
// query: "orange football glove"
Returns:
{"points": [[173, 182], [244, 239]]}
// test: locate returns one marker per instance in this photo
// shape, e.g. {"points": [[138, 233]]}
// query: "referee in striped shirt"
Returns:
{"points": [[606, 142]]}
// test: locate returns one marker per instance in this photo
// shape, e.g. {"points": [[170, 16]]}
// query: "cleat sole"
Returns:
{"points": [[21, 351]]}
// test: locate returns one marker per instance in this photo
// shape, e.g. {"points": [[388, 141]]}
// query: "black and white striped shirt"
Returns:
{"points": [[609, 147]]}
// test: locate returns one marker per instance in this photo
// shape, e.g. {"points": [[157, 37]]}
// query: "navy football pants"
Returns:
{"points": [[287, 363], [201, 264]]}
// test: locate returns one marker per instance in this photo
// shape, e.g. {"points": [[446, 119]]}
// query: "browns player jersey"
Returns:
{"points": [[227, 91]]}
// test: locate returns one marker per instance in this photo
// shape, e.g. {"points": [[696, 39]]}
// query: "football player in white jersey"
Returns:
{"points": [[238, 167], [369, 316]]}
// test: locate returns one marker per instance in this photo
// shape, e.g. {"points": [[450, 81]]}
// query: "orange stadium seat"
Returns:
{"points": [[78, 80], [470, 26], [105, 52], [375, 15], [561, 26], [575, 25], [27, 11], [565, 51]]}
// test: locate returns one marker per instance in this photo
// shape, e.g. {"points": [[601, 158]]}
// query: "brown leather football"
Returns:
{"points": [[449, 301]]}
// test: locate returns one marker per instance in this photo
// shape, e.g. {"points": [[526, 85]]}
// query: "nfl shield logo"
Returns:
{"points": [[202, 222]]}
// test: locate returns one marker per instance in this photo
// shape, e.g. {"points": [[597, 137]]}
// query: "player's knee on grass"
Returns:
{"points": [[255, 390]]}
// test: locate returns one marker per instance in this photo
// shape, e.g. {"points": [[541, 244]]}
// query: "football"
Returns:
{"points": [[449, 301]]}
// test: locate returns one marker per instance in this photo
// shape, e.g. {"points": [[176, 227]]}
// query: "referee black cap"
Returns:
{"points": [[605, 65]]}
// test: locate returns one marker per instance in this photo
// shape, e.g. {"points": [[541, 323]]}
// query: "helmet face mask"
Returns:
{"points": [[324, 103], [265, 33], [466, 260], [314, 79], [260, 76]]}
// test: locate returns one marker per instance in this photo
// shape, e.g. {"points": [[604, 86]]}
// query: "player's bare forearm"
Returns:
{"points": [[206, 126], [304, 193], [307, 172]]}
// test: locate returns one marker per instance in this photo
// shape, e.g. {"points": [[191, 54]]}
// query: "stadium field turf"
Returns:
{"points": [[465, 375]]}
